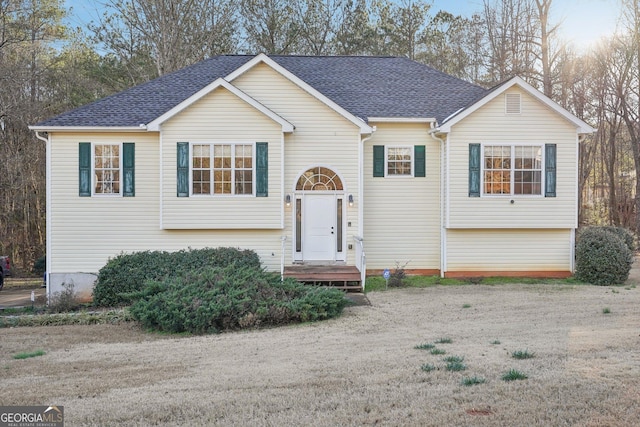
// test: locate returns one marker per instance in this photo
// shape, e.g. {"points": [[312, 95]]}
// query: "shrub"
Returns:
{"points": [[40, 265], [624, 234], [64, 301], [398, 275], [123, 277], [214, 299], [602, 256]]}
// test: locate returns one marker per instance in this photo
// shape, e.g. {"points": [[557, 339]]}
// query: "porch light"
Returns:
{"points": [[287, 200], [350, 199]]}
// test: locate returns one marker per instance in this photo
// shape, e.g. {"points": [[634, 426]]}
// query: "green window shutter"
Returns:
{"points": [[419, 161], [378, 160], [474, 170], [128, 169], [84, 176], [550, 170], [183, 169], [262, 169]]}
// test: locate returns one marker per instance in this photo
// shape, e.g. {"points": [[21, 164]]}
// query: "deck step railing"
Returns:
{"points": [[361, 260]]}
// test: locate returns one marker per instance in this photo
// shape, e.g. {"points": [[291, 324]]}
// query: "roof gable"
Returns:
{"points": [[581, 126], [157, 123], [262, 58]]}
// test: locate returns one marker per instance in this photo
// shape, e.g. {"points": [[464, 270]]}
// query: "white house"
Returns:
{"points": [[361, 162]]}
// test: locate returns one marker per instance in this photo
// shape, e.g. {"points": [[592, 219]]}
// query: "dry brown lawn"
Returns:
{"points": [[360, 369]]}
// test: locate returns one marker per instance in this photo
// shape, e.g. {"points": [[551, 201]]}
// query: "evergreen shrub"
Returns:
{"points": [[215, 299], [122, 279], [604, 255]]}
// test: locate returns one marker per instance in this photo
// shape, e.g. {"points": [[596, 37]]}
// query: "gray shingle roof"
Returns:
{"points": [[365, 86]]}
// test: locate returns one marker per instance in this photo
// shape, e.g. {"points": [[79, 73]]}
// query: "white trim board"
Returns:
{"points": [[262, 58], [582, 127], [155, 124]]}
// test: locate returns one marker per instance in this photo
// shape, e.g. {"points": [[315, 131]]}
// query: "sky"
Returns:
{"points": [[583, 22]]}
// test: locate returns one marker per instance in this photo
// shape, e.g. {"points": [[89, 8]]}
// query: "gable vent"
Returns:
{"points": [[512, 103]]}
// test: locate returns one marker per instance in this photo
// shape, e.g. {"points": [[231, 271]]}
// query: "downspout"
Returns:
{"points": [[363, 272], [47, 141], [443, 234], [361, 183], [572, 249]]}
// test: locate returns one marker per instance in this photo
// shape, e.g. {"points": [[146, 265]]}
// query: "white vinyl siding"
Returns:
{"points": [[402, 215], [500, 250], [322, 137], [535, 126], [126, 224], [221, 118]]}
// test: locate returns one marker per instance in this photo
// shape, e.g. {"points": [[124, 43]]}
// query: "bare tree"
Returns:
{"points": [[510, 26], [270, 26], [175, 33]]}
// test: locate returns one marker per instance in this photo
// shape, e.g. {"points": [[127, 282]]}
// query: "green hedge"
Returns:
{"points": [[124, 276], [215, 299], [604, 255]]}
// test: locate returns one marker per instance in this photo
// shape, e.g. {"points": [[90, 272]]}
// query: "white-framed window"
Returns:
{"points": [[107, 169], [222, 169], [399, 161], [512, 170]]}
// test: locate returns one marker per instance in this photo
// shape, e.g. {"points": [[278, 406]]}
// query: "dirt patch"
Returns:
{"points": [[359, 369]]}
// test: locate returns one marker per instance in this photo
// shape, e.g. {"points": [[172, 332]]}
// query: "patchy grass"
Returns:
{"points": [[514, 375], [59, 319], [469, 381], [428, 367], [456, 366], [454, 363], [495, 342], [437, 351], [425, 346], [523, 354], [466, 305], [443, 340], [212, 380], [606, 310], [377, 283], [29, 354]]}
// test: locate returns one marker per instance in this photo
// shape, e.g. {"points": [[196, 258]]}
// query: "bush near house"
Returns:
{"points": [[214, 299], [604, 255], [123, 277]]}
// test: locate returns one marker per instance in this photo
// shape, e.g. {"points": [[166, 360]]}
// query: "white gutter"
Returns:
{"points": [[443, 183], [402, 120], [47, 142], [140, 128]]}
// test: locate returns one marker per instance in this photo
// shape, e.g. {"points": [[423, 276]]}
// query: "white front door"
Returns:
{"points": [[320, 228]]}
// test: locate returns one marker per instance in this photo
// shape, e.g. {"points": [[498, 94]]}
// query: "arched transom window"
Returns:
{"points": [[319, 179]]}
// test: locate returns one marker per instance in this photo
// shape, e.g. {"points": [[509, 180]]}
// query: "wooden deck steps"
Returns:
{"points": [[338, 276]]}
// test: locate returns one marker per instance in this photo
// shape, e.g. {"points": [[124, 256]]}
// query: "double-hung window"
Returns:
{"points": [[219, 169], [512, 169], [106, 169], [399, 161]]}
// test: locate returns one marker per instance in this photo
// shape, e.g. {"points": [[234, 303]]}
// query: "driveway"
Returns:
{"points": [[17, 293]]}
